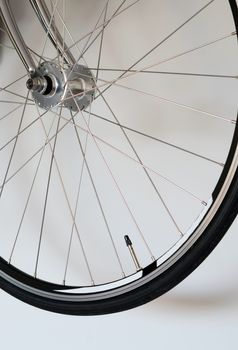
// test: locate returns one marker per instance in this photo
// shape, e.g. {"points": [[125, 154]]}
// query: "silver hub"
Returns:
{"points": [[53, 86]]}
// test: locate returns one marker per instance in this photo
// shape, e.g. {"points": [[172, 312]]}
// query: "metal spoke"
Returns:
{"points": [[133, 218], [101, 42], [106, 23], [15, 94], [46, 198], [10, 113], [13, 82], [111, 146], [48, 29], [127, 74], [85, 164], [14, 148], [23, 130], [95, 137], [116, 84], [166, 73], [72, 39], [157, 139], [144, 169], [146, 172], [78, 194], [165, 39], [38, 151], [67, 199], [88, 130], [5, 88], [16, 102], [30, 192], [175, 103], [98, 27]]}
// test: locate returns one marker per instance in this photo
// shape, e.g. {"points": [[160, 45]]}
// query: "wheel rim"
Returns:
{"points": [[103, 138]]}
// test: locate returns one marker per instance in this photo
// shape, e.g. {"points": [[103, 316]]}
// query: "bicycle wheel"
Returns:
{"points": [[118, 163]]}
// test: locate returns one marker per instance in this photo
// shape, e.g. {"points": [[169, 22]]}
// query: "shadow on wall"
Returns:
{"points": [[226, 296]]}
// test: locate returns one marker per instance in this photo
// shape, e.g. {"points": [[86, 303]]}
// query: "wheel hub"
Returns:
{"points": [[53, 86]]}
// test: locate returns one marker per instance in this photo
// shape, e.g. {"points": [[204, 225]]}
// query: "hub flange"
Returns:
{"points": [[53, 86]]}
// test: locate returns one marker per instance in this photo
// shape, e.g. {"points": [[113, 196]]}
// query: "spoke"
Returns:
{"points": [[145, 170], [127, 74], [72, 39], [37, 152], [106, 23], [98, 27], [13, 82], [48, 29], [166, 100], [15, 94], [133, 218], [136, 154], [167, 73], [5, 88], [14, 148], [67, 198], [10, 113], [30, 193], [128, 140], [115, 83], [101, 42], [85, 163], [97, 138], [77, 198], [165, 39], [38, 55], [46, 198], [23, 130], [16, 102], [157, 139], [88, 130]]}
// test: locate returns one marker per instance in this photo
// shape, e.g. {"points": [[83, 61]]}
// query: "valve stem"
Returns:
{"points": [[132, 252]]}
